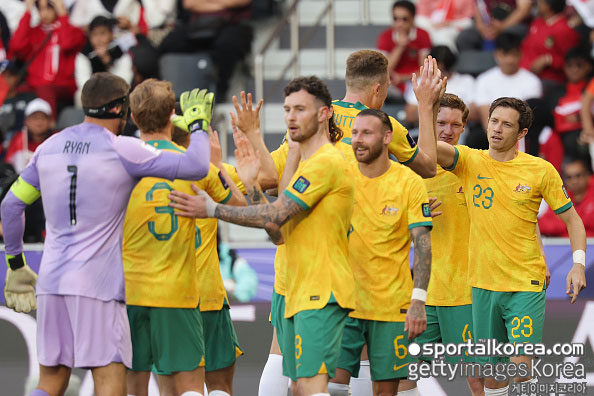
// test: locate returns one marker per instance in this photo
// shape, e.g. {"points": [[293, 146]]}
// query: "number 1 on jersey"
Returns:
{"points": [[72, 205]]}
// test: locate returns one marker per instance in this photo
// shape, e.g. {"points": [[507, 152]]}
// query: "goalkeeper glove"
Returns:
{"points": [[197, 109], [19, 286]]}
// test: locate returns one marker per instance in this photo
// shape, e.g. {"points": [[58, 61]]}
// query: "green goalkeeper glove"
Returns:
{"points": [[19, 287], [197, 109]]}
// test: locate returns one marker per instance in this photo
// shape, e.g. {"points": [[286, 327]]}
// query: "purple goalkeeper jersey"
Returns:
{"points": [[85, 175]]}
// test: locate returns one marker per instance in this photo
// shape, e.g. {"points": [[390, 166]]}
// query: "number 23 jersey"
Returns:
{"points": [[503, 200]]}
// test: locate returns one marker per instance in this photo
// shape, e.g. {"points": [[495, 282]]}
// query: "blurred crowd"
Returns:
{"points": [[542, 53]]}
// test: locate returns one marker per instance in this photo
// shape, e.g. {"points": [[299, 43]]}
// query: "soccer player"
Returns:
{"points": [[86, 174], [449, 297], [385, 221], [160, 252], [503, 189], [319, 295]]}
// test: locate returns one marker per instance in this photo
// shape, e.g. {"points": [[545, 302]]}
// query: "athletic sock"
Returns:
{"points": [[364, 371], [191, 393], [497, 392], [410, 392], [361, 386], [218, 393], [338, 389], [272, 381], [321, 394], [38, 392]]}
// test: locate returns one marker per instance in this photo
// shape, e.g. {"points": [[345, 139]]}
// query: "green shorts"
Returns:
{"points": [[277, 316], [508, 317], [387, 344], [220, 339], [169, 338], [311, 341], [447, 325]]}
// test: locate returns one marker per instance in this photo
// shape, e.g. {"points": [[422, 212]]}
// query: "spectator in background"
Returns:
{"points": [[550, 37], [240, 279], [505, 79], [564, 141], [578, 180], [4, 37], [404, 45], [101, 54], [38, 127], [587, 112], [12, 110], [51, 48], [216, 27], [461, 85], [444, 19], [493, 17]]}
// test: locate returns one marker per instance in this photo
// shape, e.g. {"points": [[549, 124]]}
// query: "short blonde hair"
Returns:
{"points": [[365, 68], [151, 103]]}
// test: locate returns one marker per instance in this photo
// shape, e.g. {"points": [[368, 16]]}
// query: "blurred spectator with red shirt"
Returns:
{"points": [[38, 124], [567, 127], [404, 45], [549, 39], [578, 180], [444, 19], [51, 47]]}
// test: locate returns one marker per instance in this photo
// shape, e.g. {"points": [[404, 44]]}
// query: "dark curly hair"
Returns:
{"points": [[525, 112], [316, 87]]}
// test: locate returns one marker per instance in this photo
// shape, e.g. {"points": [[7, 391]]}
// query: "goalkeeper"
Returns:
{"points": [[86, 174]]}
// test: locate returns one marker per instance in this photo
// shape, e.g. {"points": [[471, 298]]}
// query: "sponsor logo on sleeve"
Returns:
{"points": [[301, 184], [426, 210]]}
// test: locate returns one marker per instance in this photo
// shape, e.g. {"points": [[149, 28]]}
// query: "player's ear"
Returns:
{"points": [[133, 119], [388, 136], [522, 133]]}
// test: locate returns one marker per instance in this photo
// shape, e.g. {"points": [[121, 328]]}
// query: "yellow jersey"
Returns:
{"points": [[386, 209], [317, 239], [503, 200], [158, 246], [403, 146], [448, 285], [212, 291]]}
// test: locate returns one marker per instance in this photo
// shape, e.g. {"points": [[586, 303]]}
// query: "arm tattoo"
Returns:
{"points": [[256, 195], [422, 266], [259, 216]]}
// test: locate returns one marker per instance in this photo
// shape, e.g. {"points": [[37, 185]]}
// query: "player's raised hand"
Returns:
{"points": [[248, 162], [246, 117], [576, 281], [433, 205], [416, 319], [196, 105], [198, 206], [429, 84], [19, 289], [216, 153]]}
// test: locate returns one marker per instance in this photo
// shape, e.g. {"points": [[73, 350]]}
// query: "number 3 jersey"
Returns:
{"points": [[85, 175], [159, 250], [503, 200]]}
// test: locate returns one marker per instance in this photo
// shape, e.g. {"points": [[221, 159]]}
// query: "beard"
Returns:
{"points": [[373, 152], [306, 131]]}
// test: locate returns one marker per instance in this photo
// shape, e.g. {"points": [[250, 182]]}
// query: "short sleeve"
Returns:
{"points": [[460, 160], [384, 41], [232, 172], [313, 180], [419, 211], [590, 87], [402, 146], [216, 185], [553, 190]]}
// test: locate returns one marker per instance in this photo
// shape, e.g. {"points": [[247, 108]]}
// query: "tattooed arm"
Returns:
{"points": [[416, 318], [258, 216]]}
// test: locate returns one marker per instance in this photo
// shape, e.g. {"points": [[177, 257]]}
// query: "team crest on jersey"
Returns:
{"points": [[426, 210], [389, 210], [522, 188], [301, 184], [565, 192]]}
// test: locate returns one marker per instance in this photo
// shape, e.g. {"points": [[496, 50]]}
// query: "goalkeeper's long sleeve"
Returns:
{"points": [[13, 223]]}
